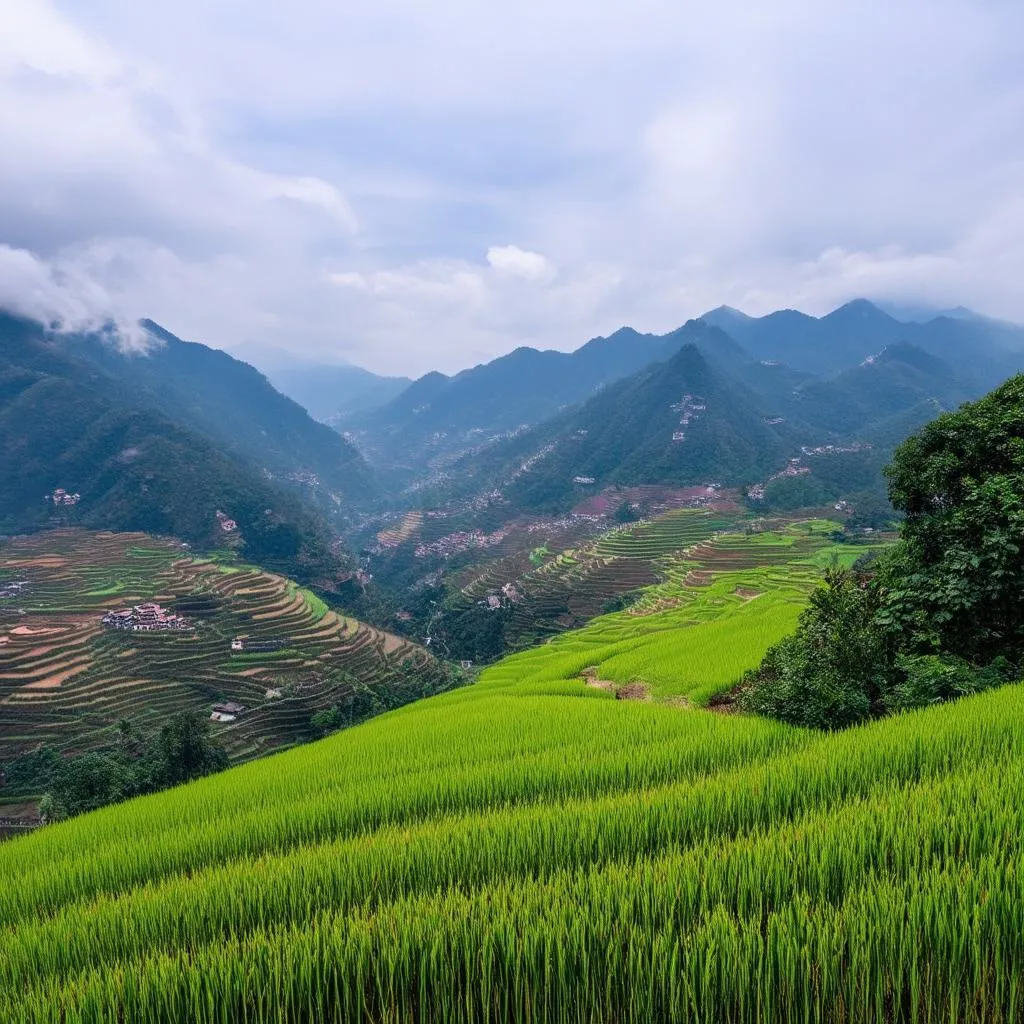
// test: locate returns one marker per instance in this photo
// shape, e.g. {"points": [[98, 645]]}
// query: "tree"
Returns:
{"points": [[956, 582], [185, 750], [834, 670], [941, 617]]}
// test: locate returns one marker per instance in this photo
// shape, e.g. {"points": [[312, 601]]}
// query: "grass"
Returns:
{"points": [[529, 849], [721, 605], [536, 852]]}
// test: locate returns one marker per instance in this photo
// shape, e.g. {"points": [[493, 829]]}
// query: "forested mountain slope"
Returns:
{"points": [[234, 405], [67, 425]]}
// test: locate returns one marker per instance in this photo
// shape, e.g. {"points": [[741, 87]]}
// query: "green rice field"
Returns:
{"points": [[530, 849], [542, 852]]}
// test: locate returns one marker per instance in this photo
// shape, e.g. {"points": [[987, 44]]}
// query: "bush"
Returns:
{"points": [[832, 672]]}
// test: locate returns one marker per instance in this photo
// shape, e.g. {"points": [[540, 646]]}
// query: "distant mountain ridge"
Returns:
{"points": [[982, 348], [708, 414], [333, 393], [233, 404], [775, 355]]}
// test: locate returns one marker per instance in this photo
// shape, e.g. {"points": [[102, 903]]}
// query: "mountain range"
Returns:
{"points": [[710, 413], [161, 442], [439, 417]]}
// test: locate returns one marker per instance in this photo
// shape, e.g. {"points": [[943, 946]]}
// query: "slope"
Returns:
{"points": [[67, 679], [524, 851], [235, 406], [66, 427], [437, 414], [680, 422], [899, 378]]}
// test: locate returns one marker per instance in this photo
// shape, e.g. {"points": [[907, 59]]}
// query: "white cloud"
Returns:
{"points": [[516, 262], [331, 178], [62, 296]]}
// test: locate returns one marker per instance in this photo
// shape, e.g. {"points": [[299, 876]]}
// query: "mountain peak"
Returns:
{"points": [[857, 308]]}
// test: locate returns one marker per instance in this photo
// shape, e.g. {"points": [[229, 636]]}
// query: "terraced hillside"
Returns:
{"points": [[530, 849], [722, 604], [558, 592], [65, 679]]}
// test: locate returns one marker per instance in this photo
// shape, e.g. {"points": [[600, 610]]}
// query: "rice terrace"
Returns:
{"points": [[66, 678]]}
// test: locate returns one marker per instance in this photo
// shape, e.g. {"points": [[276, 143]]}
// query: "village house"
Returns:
{"points": [[145, 618], [226, 524], [226, 712]]}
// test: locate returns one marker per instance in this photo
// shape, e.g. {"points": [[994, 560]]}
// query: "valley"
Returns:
{"points": [[511, 513], [602, 717]]}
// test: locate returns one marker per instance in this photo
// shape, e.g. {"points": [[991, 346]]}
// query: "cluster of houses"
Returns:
{"points": [[475, 504], [509, 595], [836, 449], [688, 409], [226, 524], [793, 468], [62, 498], [583, 481], [528, 464], [461, 540], [12, 589], [149, 617]]}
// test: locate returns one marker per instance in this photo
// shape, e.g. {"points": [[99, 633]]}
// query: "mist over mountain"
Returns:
{"points": [[333, 393]]}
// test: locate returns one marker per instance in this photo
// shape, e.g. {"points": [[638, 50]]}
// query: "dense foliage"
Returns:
{"points": [[940, 614], [182, 750]]}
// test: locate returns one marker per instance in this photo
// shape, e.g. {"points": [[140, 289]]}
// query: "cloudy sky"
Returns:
{"points": [[413, 185]]}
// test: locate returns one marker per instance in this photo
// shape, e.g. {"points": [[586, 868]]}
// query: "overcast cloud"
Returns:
{"points": [[413, 186]]}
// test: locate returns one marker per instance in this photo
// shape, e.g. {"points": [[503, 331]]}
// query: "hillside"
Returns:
{"points": [[899, 378], [235, 406], [438, 414], [531, 848], [682, 422], [66, 679], [68, 425]]}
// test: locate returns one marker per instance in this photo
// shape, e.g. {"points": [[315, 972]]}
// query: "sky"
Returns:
{"points": [[413, 186]]}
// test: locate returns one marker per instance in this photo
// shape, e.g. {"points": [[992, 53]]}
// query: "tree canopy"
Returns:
{"points": [[938, 616]]}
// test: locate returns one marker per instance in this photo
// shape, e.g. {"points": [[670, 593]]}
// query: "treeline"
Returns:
{"points": [[941, 614], [134, 764]]}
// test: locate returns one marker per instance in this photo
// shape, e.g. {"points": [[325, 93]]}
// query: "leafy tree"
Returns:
{"points": [[89, 781], [956, 582], [941, 617], [833, 671], [186, 750], [326, 721]]}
